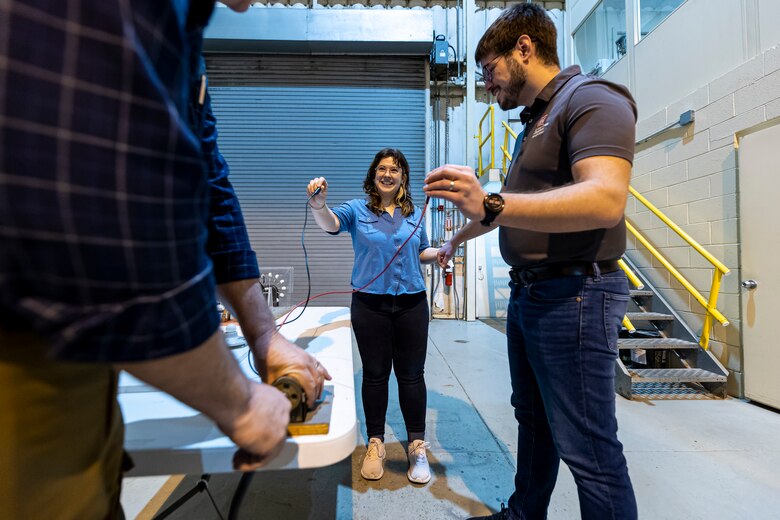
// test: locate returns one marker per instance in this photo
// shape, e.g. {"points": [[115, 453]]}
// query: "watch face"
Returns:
{"points": [[494, 202]]}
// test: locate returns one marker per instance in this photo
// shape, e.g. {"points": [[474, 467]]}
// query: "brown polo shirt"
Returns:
{"points": [[575, 116]]}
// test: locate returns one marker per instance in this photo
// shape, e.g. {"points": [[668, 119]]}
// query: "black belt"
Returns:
{"points": [[529, 275]]}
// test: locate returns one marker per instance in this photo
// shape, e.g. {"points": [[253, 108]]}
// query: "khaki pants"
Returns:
{"points": [[60, 436]]}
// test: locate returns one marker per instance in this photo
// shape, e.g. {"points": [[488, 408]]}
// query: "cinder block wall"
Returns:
{"points": [[691, 175]]}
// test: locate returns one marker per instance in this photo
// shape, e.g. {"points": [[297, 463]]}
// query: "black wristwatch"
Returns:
{"points": [[494, 204]]}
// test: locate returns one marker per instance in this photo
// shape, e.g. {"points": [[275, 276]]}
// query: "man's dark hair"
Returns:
{"points": [[515, 21]]}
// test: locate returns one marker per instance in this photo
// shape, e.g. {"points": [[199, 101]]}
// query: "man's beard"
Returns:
{"points": [[518, 76]]}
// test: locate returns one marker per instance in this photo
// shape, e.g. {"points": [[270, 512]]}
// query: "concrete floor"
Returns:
{"points": [[691, 459]]}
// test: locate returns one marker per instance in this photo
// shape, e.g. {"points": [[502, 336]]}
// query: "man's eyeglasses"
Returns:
{"points": [[487, 69], [381, 170]]}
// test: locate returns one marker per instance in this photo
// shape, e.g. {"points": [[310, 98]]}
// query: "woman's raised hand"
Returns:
{"points": [[318, 200]]}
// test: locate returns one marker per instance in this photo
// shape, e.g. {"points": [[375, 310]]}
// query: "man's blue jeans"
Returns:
{"points": [[562, 342]]}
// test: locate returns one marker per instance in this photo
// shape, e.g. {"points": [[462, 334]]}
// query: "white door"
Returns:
{"points": [[759, 211]]}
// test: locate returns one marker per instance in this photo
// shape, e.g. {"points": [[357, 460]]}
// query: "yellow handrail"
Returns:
{"points": [[703, 252], [628, 325], [717, 275], [680, 278], [637, 283], [704, 340], [490, 137], [634, 279], [507, 132]]}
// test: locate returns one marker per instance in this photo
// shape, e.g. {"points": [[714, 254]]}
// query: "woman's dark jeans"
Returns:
{"points": [[392, 333]]}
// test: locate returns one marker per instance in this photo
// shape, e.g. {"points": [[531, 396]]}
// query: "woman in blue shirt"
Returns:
{"points": [[390, 314]]}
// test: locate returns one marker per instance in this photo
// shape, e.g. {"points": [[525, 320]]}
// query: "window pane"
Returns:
{"points": [[653, 12], [601, 39]]}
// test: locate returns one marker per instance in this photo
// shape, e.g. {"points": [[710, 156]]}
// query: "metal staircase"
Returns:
{"points": [[663, 350]]}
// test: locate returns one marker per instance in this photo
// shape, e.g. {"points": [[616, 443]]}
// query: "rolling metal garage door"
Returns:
{"points": [[284, 119]]}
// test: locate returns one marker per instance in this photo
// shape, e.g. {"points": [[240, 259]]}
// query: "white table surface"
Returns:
{"points": [[165, 437]]}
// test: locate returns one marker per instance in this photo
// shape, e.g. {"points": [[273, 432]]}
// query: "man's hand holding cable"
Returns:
{"points": [[459, 185], [445, 253]]}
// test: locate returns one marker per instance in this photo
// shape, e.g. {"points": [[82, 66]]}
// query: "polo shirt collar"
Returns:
{"points": [[549, 91]]}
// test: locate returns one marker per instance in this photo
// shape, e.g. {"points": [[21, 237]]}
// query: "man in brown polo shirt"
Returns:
{"points": [[561, 228]]}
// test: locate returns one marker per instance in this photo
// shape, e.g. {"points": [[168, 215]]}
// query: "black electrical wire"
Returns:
{"points": [[308, 272], [238, 496], [306, 256]]}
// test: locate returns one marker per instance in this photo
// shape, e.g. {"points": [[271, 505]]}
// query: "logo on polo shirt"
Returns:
{"points": [[540, 126]]}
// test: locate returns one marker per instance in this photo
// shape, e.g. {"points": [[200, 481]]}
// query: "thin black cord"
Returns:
{"points": [[308, 273], [238, 496], [306, 256]]}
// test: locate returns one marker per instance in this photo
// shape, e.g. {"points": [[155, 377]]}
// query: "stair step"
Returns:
{"points": [[649, 316], [656, 343], [675, 375], [637, 293]]}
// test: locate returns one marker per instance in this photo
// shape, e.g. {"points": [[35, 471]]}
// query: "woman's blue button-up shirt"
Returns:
{"points": [[375, 239]]}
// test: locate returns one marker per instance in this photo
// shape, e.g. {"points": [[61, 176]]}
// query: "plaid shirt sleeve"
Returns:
{"points": [[228, 243], [104, 195]]}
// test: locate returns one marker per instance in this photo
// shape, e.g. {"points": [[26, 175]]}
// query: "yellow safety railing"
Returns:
{"points": [[709, 304], [720, 269], [490, 137], [634, 279], [505, 149], [628, 325]]}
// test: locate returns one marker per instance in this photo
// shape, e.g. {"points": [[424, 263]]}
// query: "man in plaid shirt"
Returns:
{"points": [[118, 227]]}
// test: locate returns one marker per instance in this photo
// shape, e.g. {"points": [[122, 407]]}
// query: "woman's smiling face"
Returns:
{"points": [[388, 178]]}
